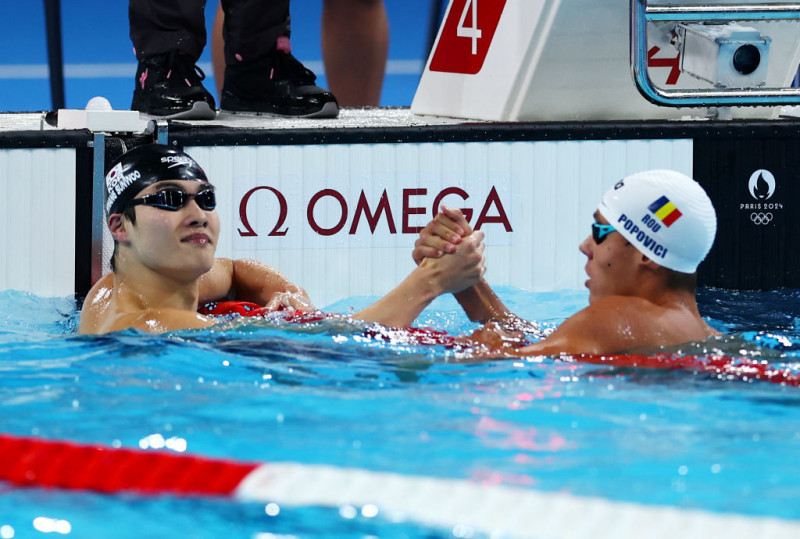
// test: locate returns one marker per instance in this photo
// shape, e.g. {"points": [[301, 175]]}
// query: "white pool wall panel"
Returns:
{"points": [[545, 191], [37, 216]]}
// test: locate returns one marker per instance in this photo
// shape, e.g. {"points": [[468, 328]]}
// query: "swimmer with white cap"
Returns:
{"points": [[651, 231], [161, 212]]}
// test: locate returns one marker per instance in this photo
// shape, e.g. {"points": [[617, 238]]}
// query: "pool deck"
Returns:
{"points": [[349, 118]]}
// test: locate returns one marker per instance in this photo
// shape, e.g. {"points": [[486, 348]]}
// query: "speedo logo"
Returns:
{"points": [[177, 160], [642, 237]]}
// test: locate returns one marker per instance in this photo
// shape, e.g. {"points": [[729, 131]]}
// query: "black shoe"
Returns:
{"points": [[170, 85], [276, 85]]}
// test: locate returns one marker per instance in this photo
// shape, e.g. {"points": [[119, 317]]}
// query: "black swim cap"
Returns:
{"points": [[143, 166]]}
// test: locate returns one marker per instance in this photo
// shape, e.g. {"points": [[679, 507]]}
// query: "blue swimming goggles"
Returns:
{"points": [[175, 199], [599, 232]]}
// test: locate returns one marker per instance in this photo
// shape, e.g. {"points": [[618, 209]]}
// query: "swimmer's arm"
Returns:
{"points": [[257, 282], [593, 330], [401, 306], [481, 304], [433, 277], [250, 280]]}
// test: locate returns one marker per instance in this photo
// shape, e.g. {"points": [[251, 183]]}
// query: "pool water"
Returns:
{"points": [[325, 393]]}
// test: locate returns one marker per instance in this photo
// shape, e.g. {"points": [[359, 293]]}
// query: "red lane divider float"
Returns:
{"points": [[425, 336], [68, 465], [724, 366], [443, 503]]}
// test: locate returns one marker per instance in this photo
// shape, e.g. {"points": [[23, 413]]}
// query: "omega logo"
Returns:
{"points": [[284, 211], [492, 211]]}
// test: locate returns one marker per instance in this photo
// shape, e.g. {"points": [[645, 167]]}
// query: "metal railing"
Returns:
{"points": [[641, 13]]}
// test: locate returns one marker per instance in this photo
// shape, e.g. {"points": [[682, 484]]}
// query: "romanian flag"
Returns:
{"points": [[665, 210]]}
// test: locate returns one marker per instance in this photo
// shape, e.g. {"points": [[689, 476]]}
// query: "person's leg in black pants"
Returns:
{"points": [[168, 37], [261, 75]]}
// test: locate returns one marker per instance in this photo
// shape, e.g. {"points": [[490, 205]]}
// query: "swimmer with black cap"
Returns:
{"points": [[161, 211], [651, 231]]}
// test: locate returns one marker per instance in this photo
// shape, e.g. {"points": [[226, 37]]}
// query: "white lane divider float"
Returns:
{"points": [[442, 503]]}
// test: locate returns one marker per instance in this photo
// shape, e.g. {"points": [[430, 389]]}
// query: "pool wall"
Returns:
{"points": [[43, 246], [338, 208]]}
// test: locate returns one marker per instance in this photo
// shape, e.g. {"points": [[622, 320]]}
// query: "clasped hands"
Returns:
{"points": [[449, 237], [449, 245]]}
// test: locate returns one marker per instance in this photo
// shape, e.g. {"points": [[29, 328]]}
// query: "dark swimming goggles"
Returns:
{"points": [[175, 199], [599, 232]]}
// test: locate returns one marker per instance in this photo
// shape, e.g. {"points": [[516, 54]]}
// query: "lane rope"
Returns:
{"points": [[442, 503], [721, 366]]}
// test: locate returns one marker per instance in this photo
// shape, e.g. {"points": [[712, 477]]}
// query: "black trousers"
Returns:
{"points": [[251, 29]]}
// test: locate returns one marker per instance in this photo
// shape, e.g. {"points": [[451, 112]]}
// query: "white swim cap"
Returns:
{"points": [[666, 215]]}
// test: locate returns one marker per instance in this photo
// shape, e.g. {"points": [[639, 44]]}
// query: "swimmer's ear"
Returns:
{"points": [[649, 264], [117, 227]]}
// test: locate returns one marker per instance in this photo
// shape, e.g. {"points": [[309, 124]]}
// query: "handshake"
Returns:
{"points": [[452, 251]]}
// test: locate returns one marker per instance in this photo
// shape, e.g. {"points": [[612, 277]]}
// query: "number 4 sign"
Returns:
{"points": [[466, 35]]}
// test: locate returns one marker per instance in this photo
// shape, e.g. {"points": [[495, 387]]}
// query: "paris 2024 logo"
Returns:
{"points": [[763, 208]]}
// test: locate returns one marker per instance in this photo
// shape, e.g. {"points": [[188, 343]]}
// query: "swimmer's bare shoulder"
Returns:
{"points": [[96, 306], [609, 325], [155, 321], [101, 315], [614, 324], [641, 322], [621, 323]]}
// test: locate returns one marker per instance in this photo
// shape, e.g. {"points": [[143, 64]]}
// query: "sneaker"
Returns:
{"points": [[276, 85], [169, 85]]}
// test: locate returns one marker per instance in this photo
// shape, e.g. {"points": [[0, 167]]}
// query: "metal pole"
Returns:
{"points": [[52, 11], [730, 12], [433, 24], [99, 230]]}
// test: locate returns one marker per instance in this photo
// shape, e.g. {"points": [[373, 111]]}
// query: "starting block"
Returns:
{"points": [[572, 60]]}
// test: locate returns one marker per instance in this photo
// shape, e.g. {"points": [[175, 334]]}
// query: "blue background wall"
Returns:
{"points": [[99, 60]]}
